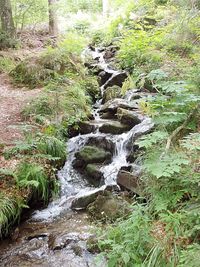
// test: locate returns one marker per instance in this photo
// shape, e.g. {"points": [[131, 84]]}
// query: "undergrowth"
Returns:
{"points": [[159, 44]]}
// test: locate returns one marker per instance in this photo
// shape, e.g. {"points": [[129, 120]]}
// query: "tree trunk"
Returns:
{"points": [[7, 24], [53, 26]]}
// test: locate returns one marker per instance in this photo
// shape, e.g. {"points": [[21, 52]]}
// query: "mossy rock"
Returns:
{"points": [[111, 93], [94, 174], [91, 154], [128, 117], [31, 73], [108, 207], [114, 127]]}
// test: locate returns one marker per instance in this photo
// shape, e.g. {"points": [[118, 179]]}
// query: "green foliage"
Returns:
{"points": [[83, 5], [10, 210], [29, 13], [190, 256], [169, 164], [52, 63], [128, 242], [6, 64], [32, 175], [192, 142], [21, 148], [52, 146], [150, 139], [7, 42]]}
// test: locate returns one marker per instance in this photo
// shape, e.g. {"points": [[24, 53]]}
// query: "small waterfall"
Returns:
{"points": [[71, 181]]}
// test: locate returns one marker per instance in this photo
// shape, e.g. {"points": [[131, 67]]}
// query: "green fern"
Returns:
{"points": [[10, 210], [151, 139], [192, 142], [165, 165], [32, 175], [51, 146]]}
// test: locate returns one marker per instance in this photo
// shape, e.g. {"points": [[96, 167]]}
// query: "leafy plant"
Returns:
{"points": [[32, 175], [10, 210]]}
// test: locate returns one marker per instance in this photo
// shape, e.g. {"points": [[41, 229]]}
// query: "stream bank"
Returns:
{"points": [[100, 159]]}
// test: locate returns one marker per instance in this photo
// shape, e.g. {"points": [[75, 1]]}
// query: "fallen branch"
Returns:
{"points": [[181, 127]]}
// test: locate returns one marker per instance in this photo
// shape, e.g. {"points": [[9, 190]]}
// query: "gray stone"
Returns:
{"points": [[111, 93], [108, 207], [82, 200], [94, 174], [116, 79], [128, 117], [91, 154], [86, 127], [101, 142], [128, 181], [114, 127], [113, 105]]}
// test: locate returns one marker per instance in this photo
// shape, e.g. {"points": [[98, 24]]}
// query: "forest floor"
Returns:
{"points": [[14, 99], [12, 102]]}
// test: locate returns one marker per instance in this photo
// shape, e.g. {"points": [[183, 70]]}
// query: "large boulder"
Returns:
{"points": [[117, 78], [86, 127], [128, 181], [113, 105], [103, 77], [101, 142], [114, 127], [82, 200], [144, 127], [108, 116], [111, 93], [94, 174], [128, 117], [91, 154], [108, 207]]}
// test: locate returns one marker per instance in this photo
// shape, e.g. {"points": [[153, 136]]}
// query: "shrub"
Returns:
{"points": [[52, 63], [52, 146], [7, 42], [10, 210], [6, 64], [32, 175]]}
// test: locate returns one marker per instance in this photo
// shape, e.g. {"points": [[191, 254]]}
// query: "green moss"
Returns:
{"points": [[91, 154]]}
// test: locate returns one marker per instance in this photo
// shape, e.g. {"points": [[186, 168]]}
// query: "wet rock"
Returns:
{"points": [[128, 180], [35, 249], [114, 127], [92, 245], [111, 93], [77, 250], [103, 77], [108, 116], [37, 235], [93, 174], [58, 242], [110, 51], [91, 154], [82, 200], [136, 94], [101, 142], [128, 117], [108, 207], [86, 127], [113, 105], [116, 79], [134, 153], [143, 128]]}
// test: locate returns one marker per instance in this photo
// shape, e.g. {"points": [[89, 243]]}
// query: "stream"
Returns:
{"points": [[57, 235]]}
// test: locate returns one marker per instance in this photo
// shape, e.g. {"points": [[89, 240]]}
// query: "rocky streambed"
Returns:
{"points": [[101, 168]]}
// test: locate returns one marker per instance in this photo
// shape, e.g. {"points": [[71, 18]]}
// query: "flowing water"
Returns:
{"points": [[56, 235]]}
